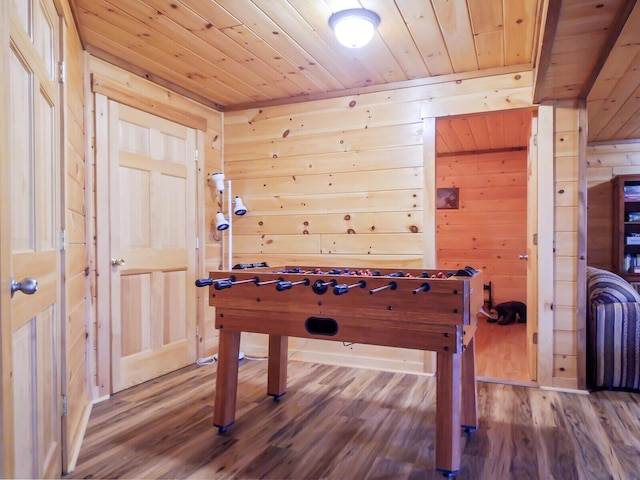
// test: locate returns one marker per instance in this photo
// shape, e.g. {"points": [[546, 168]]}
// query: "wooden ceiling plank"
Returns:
{"points": [[623, 115], [453, 19], [495, 128], [376, 52], [445, 130], [397, 38], [425, 31], [216, 48], [171, 52], [480, 132], [621, 61], [202, 46], [620, 95], [579, 43], [636, 133], [614, 31], [516, 131], [617, 66], [307, 22], [139, 72], [441, 145], [519, 27], [272, 34], [630, 128], [213, 12], [145, 55], [160, 71], [490, 49], [486, 16]]}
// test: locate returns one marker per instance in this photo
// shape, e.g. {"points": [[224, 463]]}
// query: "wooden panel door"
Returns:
{"points": [[152, 170], [532, 251], [31, 172]]}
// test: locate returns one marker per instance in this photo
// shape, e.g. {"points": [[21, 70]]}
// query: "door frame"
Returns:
{"points": [[102, 205], [6, 391], [542, 210]]}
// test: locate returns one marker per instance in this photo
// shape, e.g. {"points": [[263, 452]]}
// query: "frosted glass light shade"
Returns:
{"points": [[354, 28]]}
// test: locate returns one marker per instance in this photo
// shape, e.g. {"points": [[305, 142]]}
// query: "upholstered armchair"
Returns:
{"points": [[613, 329]]}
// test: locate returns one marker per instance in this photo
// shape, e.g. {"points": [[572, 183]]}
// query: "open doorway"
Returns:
{"points": [[484, 160]]}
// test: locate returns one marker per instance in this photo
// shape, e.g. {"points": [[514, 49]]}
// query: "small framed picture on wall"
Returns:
{"points": [[447, 198]]}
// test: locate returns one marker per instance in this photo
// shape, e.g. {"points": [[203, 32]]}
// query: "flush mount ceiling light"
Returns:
{"points": [[354, 28]]}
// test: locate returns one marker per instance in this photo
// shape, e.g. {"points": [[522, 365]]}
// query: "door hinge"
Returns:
{"points": [[534, 339], [63, 240], [535, 139], [62, 72], [64, 405], [197, 155], [197, 331], [197, 243]]}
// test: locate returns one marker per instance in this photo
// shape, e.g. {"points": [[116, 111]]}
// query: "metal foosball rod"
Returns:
{"points": [[390, 285], [248, 280], [425, 287], [222, 284], [269, 282]]}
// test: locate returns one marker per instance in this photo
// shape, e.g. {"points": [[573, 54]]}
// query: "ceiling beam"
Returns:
{"points": [[546, 48]]}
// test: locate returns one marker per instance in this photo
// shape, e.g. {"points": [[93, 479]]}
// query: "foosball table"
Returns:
{"points": [[418, 309]]}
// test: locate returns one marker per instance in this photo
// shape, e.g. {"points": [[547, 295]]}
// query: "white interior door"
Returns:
{"points": [[31, 172], [152, 170]]}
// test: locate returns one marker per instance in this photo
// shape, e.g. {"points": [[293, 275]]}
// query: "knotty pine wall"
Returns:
{"points": [[347, 182], [604, 161], [569, 305], [78, 255], [489, 229]]}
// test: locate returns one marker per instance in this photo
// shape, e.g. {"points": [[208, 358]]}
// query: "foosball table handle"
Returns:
{"points": [[288, 285], [344, 288], [204, 282]]}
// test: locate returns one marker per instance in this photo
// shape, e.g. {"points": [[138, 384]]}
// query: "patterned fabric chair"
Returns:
{"points": [[613, 329]]}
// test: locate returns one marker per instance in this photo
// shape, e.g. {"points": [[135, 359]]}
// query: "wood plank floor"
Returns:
{"points": [[501, 352], [346, 423]]}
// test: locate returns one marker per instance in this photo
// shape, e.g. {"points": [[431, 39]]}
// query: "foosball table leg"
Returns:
{"points": [[277, 370], [448, 393], [224, 413], [469, 408]]}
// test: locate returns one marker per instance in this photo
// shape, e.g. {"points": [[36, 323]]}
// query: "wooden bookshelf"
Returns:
{"points": [[626, 226]]}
